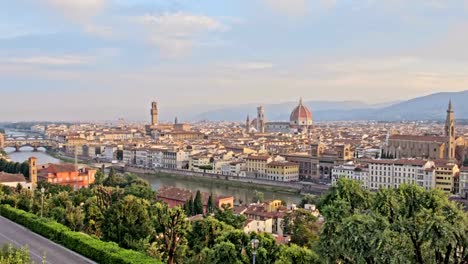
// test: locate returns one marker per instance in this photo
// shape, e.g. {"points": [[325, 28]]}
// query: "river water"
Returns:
{"points": [[246, 194]]}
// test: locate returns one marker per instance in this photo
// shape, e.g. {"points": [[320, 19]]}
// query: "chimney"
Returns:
{"points": [[33, 172]]}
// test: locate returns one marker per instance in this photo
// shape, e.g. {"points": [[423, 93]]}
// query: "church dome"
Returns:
{"points": [[301, 116]]}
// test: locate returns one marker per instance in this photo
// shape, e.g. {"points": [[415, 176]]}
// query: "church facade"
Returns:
{"points": [[447, 147], [300, 121]]}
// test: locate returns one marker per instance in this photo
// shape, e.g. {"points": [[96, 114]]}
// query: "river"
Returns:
{"points": [[246, 194]]}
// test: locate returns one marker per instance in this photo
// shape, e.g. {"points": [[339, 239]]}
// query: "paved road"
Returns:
{"points": [[18, 236]]}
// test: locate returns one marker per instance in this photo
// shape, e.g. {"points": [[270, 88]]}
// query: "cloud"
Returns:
{"points": [[50, 60], [288, 7], [176, 33], [78, 10], [82, 12], [252, 65]]}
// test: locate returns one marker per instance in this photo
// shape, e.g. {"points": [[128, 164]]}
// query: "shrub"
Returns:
{"points": [[90, 247]]}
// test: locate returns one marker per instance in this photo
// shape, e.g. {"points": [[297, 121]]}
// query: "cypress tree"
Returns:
{"points": [[198, 204], [190, 206], [210, 206]]}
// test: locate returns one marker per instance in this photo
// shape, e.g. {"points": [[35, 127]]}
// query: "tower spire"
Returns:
{"points": [[450, 109]]}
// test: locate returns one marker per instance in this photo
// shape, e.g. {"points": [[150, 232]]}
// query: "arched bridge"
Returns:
{"points": [[35, 143]]}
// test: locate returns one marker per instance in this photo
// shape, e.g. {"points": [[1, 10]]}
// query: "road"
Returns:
{"points": [[19, 236]]}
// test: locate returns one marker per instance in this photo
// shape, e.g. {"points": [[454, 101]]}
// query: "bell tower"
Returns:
{"points": [[261, 119], [154, 113], [450, 132], [33, 172]]}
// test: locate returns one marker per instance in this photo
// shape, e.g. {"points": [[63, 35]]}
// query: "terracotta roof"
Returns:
{"points": [[264, 157], [282, 163], [415, 162], [182, 195], [57, 168], [8, 177], [300, 113], [437, 139]]}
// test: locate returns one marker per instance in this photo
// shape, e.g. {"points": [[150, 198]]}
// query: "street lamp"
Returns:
{"points": [[254, 243], [42, 200]]}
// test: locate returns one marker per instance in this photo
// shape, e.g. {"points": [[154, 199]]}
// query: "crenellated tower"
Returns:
{"points": [[450, 132], [154, 113], [261, 119]]}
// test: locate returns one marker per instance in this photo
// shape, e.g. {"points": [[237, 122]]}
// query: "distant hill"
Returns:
{"points": [[430, 107]]}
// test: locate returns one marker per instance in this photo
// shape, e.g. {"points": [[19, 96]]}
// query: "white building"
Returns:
{"points": [[351, 171], [393, 173], [464, 182]]}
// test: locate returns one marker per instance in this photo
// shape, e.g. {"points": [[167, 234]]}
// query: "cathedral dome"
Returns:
{"points": [[301, 116]]}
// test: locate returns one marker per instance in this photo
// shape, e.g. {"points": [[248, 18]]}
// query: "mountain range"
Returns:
{"points": [[429, 107]]}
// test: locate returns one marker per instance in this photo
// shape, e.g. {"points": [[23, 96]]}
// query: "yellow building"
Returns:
{"points": [[445, 173], [284, 171], [256, 165]]}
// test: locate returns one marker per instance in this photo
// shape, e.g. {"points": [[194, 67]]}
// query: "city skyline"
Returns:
{"points": [[102, 59]]}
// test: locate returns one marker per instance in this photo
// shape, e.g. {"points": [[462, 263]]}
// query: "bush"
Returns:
{"points": [[95, 249]]}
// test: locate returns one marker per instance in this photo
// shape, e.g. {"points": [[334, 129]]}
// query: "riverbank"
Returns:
{"points": [[230, 183], [64, 158]]}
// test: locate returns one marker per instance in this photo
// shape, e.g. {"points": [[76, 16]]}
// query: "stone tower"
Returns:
{"points": [[154, 113], [450, 132], [247, 125], [33, 172], [261, 119], [2, 141], [176, 121]]}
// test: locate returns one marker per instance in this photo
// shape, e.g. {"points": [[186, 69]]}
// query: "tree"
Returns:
{"points": [[210, 206], [295, 254], [74, 218], [171, 227], [258, 197], [225, 252], [24, 169], [422, 226], [226, 214], [204, 232], [119, 154], [99, 178], [93, 217], [191, 206], [308, 199], [198, 204], [127, 221], [302, 227], [12, 255]]}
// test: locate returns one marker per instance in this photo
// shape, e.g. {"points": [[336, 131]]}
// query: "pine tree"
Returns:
{"points": [[210, 206], [197, 204]]}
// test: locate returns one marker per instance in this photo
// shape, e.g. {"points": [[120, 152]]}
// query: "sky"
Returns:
{"points": [[105, 59]]}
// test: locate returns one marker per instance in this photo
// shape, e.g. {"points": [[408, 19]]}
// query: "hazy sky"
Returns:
{"points": [[102, 59]]}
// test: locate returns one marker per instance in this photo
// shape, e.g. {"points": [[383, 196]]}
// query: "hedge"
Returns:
{"points": [[92, 248]]}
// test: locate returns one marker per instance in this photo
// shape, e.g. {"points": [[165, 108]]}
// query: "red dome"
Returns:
{"points": [[301, 115]]}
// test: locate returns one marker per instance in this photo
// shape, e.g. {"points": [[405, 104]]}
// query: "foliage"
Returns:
{"points": [[12, 255], [422, 226], [210, 205], [295, 254], [14, 167], [197, 204], [171, 227], [226, 214], [302, 227], [95, 249], [258, 197], [308, 199], [127, 221]]}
